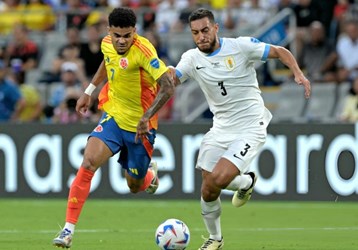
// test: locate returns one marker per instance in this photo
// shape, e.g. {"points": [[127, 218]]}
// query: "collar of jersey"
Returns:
{"points": [[218, 49]]}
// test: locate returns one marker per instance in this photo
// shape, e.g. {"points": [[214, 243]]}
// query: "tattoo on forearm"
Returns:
{"points": [[166, 91]]}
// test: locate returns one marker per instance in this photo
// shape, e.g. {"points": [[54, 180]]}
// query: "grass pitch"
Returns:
{"points": [[131, 224]]}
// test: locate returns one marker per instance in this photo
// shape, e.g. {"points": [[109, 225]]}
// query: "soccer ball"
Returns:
{"points": [[172, 234]]}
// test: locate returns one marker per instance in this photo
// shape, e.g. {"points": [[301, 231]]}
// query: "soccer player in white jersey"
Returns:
{"points": [[224, 69]]}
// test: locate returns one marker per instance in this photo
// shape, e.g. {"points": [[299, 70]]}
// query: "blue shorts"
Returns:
{"points": [[134, 156]]}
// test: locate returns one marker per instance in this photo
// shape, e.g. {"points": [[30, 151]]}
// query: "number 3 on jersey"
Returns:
{"points": [[222, 87]]}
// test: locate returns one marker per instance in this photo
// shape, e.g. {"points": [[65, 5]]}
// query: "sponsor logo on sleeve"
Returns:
{"points": [[255, 40], [155, 63]]}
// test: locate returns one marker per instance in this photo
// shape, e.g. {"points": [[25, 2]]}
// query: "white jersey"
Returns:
{"points": [[228, 79]]}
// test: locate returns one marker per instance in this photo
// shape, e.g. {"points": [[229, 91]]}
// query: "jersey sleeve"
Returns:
{"points": [[254, 49], [184, 67], [150, 61]]}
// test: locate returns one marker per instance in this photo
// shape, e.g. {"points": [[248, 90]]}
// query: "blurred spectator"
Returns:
{"points": [[76, 13], [232, 14], [70, 56], [326, 13], [253, 15], [11, 101], [99, 18], [347, 49], [91, 53], [66, 112], [318, 56], [182, 23], [38, 16], [306, 11], [339, 12], [162, 51], [69, 80], [21, 53], [350, 108], [32, 105], [10, 16], [168, 14], [73, 36], [147, 15]]}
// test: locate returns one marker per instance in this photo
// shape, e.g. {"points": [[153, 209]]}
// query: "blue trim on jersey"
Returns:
{"points": [[218, 50], [266, 52], [178, 73]]}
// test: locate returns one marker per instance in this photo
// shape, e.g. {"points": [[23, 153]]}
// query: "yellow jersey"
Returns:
{"points": [[132, 85]]}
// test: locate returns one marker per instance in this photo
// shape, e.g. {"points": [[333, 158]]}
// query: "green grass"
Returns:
{"points": [[130, 224]]}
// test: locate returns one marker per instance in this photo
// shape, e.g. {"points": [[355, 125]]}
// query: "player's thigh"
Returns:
{"points": [[209, 155], [244, 149], [104, 141], [136, 156], [96, 152]]}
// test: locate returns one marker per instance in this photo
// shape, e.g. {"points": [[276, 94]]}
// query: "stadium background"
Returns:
{"points": [[305, 198]]}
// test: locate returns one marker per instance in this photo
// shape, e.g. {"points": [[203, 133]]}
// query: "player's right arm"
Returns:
{"points": [[84, 101]]}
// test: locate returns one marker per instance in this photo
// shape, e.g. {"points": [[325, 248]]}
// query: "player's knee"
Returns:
{"points": [[134, 188], [209, 194], [220, 183], [219, 180], [89, 163]]}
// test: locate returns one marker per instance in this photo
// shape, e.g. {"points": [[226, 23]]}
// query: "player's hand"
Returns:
{"points": [[302, 80], [83, 104], [142, 129]]}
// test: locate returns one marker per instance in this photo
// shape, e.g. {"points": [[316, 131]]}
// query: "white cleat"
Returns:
{"points": [[64, 239], [211, 244], [153, 166], [242, 196]]}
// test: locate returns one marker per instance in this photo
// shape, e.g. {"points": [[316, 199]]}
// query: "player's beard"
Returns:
{"points": [[210, 49]]}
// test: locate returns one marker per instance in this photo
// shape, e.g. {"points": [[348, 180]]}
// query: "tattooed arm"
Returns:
{"points": [[167, 87]]}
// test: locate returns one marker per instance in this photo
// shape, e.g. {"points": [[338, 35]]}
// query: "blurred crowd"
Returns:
{"points": [[326, 42]]}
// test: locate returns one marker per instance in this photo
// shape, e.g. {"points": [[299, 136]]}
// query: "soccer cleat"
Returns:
{"points": [[64, 239], [242, 196], [211, 244], [155, 182]]}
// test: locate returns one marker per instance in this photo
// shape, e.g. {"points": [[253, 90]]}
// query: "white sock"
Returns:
{"points": [[70, 227], [242, 181], [211, 212]]}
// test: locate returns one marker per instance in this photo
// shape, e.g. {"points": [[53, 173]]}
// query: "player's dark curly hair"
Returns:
{"points": [[122, 18], [201, 13]]}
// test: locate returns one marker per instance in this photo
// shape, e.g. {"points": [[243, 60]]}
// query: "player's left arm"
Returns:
{"points": [[286, 57], [166, 91]]}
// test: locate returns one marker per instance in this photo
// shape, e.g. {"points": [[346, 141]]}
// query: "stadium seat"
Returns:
{"points": [[342, 92], [291, 103], [320, 106]]}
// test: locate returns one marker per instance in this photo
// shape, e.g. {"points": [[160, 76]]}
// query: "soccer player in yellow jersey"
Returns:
{"points": [[130, 101]]}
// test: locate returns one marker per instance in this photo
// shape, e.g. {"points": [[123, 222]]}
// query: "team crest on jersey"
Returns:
{"points": [[123, 63], [229, 62], [98, 129]]}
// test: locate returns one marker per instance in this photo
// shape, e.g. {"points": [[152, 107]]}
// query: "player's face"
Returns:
{"points": [[122, 38], [204, 34]]}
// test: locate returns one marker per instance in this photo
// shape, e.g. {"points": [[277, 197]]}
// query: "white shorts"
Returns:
{"points": [[238, 148]]}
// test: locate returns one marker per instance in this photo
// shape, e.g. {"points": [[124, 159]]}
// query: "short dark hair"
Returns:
{"points": [[122, 17], [201, 13]]}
